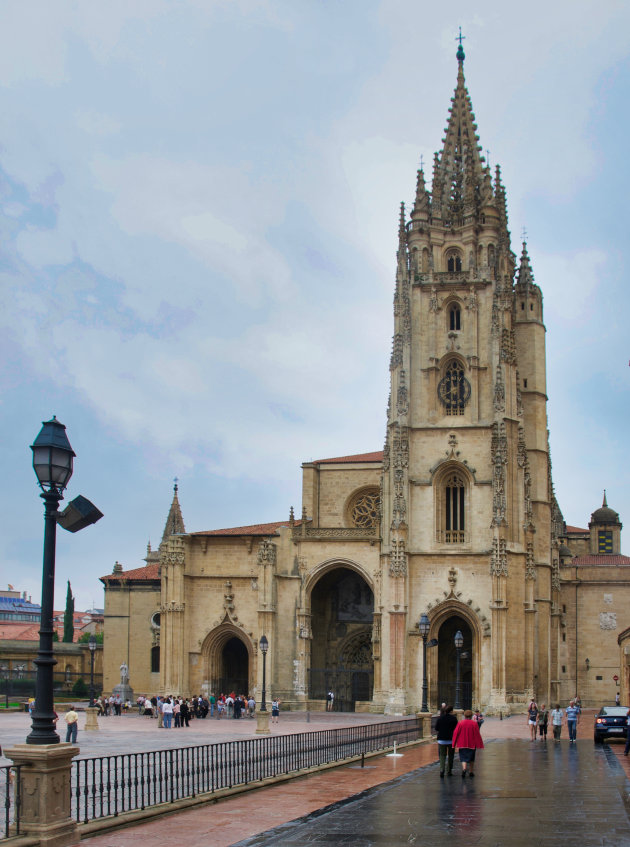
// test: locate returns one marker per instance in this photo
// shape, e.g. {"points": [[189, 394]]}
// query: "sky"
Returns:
{"points": [[199, 208]]}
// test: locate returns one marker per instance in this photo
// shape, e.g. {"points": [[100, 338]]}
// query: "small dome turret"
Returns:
{"points": [[605, 515]]}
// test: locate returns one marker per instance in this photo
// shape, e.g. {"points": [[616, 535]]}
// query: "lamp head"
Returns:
{"points": [[424, 625], [52, 456], [264, 644], [92, 642], [459, 639]]}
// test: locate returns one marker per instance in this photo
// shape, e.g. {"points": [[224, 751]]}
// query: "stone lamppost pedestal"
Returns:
{"points": [[45, 788], [262, 723], [425, 718], [90, 718]]}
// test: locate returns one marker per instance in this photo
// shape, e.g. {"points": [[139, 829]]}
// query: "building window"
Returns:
{"points": [[564, 636], [564, 668], [452, 509], [365, 509], [453, 261], [155, 659], [604, 541], [454, 389], [454, 317]]}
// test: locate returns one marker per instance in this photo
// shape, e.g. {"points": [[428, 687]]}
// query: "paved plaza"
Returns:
{"points": [[524, 793]]}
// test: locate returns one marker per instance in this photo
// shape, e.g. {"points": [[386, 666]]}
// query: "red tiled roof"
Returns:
{"points": [[147, 572], [359, 457], [571, 529], [19, 631], [254, 529], [601, 559]]}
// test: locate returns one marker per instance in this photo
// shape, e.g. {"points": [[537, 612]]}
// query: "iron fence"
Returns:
{"points": [[107, 786], [10, 797]]}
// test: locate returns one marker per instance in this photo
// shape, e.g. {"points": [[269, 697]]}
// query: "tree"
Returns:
{"points": [[80, 688], [68, 617], [85, 637]]}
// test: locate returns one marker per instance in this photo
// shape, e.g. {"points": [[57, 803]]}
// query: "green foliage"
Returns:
{"points": [[55, 635], [85, 637], [80, 688], [68, 617]]}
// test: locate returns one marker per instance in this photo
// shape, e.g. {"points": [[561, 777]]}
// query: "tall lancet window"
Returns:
{"points": [[454, 509], [454, 317]]}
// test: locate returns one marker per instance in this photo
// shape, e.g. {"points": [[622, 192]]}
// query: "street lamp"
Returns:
{"points": [[423, 627], [92, 646], [459, 643], [264, 646], [52, 462]]}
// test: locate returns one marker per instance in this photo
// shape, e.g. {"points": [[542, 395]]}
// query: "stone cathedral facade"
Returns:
{"points": [[456, 517]]}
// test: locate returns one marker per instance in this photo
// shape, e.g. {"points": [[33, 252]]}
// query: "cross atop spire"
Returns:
{"points": [[460, 50]]}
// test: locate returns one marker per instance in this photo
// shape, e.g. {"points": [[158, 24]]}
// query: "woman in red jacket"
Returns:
{"points": [[467, 739]]}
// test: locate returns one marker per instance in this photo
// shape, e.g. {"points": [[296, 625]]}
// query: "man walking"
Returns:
{"points": [[572, 721]]}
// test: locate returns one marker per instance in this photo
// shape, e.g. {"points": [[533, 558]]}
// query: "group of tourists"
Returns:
{"points": [[464, 736], [112, 705], [176, 711], [538, 720]]}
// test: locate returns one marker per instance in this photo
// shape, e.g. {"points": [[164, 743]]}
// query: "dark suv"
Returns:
{"points": [[611, 722]]}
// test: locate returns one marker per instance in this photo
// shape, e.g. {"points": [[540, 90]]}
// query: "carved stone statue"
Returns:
{"points": [[124, 674]]}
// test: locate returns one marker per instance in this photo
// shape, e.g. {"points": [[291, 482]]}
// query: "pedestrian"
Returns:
{"points": [[543, 719], [478, 717], [251, 706], [72, 721], [176, 710], [184, 714], [573, 714], [275, 710], [330, 700], [532, 715], [444, 727], [213, 702], [467, 739], [617, 699], [556, 722]]}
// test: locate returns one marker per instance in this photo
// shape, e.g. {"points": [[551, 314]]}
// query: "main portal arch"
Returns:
{"points": [[342, 612], [227, 658]]}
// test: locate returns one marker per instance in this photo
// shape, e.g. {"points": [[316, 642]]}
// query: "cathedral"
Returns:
{"points": [[454, 523]]}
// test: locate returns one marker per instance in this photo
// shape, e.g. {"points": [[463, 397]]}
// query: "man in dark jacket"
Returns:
{"points": [[445, 726]]}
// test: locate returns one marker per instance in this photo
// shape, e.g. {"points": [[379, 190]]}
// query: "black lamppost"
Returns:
{"points": [[52, 462], [92, 646], [423, 627], [264, 646], [459, 643]]}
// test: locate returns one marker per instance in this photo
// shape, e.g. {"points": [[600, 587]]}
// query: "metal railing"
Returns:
{"points": [[107, 786], [10, 796]]}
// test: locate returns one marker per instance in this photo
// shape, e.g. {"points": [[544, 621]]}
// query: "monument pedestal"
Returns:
{"points": [[45, 787]]}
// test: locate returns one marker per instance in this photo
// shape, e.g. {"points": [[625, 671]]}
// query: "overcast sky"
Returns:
{"points": [[199, 212]]}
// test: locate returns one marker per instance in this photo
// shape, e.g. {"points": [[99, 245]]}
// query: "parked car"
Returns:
{"points": [[611, 722]]}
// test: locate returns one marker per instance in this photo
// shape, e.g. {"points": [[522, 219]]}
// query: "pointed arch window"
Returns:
{"points": [[155, 659], [454, 317], [454, 389], [452, 508]]}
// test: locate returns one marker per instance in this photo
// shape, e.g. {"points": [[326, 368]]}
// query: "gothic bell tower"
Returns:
{"points": [[466, 489]]}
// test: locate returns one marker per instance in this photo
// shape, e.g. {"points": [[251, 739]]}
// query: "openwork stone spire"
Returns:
{"points": [[174, 521], [459, 172]]}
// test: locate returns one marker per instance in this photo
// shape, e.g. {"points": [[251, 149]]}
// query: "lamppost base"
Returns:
{"points": [[425, 718], [90, 718], [45, 792], [262, 723]]}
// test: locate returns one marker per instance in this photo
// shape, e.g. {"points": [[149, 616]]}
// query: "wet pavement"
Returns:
{"points": [[523, 793]]}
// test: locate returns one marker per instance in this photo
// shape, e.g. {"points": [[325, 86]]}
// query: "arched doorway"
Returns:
{"points": [[233, 668], [342, 611], [447, 663]]}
